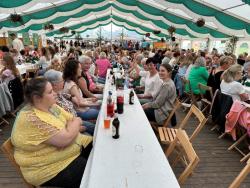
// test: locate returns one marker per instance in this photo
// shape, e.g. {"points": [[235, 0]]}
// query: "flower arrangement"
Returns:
{"points": [[32, 58]]}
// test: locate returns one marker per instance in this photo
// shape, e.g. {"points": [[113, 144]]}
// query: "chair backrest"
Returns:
{"points": [[190, 91], [16, 89], [177, 105], [186, 82], [209, 91], [201, 119], [221, 105], [8, 150], [213, 99], [182, 140], [31, 73], [242, 175]]}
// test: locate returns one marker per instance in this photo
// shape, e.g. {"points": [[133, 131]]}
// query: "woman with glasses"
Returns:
{"points": [[230, 84]]}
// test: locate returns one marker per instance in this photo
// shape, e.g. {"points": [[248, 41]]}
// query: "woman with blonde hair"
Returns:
{"points": [[9, 72], [230, 84]]}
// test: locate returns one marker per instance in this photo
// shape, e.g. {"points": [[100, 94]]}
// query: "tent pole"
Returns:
{"points": [[111, 37]]}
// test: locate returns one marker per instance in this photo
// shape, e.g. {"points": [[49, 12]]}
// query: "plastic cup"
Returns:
{"points": [[107, 122]]}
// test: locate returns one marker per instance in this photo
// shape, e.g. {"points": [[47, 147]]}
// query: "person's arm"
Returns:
{"points": [[244, 96], [239, 88], [205, 73], [74, 92], [143, 96], [67, 135], [160, 99], [83, 86]]}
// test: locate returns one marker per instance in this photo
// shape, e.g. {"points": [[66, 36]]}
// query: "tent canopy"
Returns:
{"points": [[223, 19]]}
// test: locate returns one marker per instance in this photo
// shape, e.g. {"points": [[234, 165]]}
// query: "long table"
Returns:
{"points": [[135, 160]]}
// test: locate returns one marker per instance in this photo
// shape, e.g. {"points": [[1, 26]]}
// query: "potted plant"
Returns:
{"points": [[156, 32], [200, 22], [15, 18], [171, 30]]}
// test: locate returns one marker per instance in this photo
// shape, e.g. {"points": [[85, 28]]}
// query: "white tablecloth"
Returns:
{"points": [[23, 67], [135, 160]]}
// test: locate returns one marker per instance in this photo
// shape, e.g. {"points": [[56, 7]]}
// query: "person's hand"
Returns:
{"points": [[94, 99], [75, 122], [140, 96], [83, 129], [78, 120], [145, 106]]}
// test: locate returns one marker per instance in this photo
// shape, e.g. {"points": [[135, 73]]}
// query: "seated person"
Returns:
{"points": [[48, 146], [230, 84], [159, 108], [65, 100], [86, 107], [85, 81], [198, 74], [152, 81], [9, 71]]}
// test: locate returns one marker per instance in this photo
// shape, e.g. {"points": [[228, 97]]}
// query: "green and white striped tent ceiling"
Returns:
{"points": [[224, 18]]}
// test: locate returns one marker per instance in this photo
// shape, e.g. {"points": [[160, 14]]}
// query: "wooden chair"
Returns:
{"points": [[235, 145], [204, 99], [3, 121], [243, 136], [177, 105], [192, 160], [243, 174], [167, 135], [190, 95], [8, 150]]}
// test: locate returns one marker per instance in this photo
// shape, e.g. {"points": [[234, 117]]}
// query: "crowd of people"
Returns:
{"points": [[53, 133]]}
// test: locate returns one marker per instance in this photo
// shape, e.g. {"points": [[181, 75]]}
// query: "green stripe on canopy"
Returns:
{"points": [[13, 3], [246, 1], [101, 19], [225, 19], [42, 14], [158, 23], [90, 28], [142, 11]]}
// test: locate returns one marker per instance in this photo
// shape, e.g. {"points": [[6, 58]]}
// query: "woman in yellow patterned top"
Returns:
{"points": [[48, 146]]}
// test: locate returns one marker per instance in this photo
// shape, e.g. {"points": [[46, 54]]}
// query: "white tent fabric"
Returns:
{"points": [[235, 8]]}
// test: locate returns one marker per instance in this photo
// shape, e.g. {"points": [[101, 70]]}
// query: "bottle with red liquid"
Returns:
{"points": [[110, 105], [120, 102]]}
